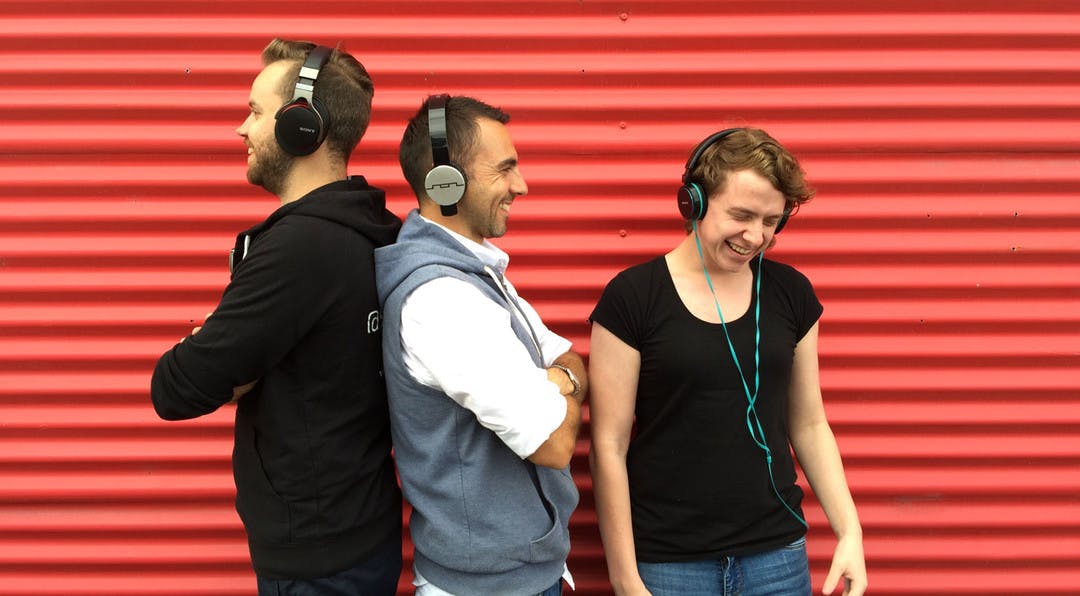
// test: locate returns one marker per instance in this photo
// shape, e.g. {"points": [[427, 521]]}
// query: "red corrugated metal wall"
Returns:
{"points": [[945, 243]]}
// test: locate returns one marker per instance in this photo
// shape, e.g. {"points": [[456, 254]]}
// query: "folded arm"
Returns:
{"points": [[558, 449], [476, 359], [272, 300]]}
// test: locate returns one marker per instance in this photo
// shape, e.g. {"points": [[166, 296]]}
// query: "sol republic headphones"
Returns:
{"points": [[445, 181], [691, 196], [301, 124]]}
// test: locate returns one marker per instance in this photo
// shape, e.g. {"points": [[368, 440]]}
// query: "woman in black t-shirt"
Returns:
{"points": [[704, 376]]}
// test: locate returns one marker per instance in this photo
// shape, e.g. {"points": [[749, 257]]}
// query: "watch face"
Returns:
{"points": [[570, 375]]}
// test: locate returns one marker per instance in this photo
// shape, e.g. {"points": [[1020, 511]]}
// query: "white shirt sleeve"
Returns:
{"points": [[460, 342]]}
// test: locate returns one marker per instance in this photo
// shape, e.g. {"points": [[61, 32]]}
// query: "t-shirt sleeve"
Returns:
{"points": [[620, 308], [805, 303]]}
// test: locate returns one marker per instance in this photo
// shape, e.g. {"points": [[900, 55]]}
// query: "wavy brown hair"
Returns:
{"points": [[752, 149]]}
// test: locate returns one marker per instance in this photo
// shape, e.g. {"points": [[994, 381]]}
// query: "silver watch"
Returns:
{"points": [[570, 375]]}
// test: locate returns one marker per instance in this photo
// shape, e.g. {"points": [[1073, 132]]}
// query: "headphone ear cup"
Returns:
{"points": [[299, 128], [692, 203], [445, 184]]}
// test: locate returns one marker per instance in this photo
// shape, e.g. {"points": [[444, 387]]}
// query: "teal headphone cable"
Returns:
{"points": [[753, 423]]}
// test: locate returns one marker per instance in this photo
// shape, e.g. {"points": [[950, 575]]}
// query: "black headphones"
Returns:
{"points": [[692, 200], [445, 181], [301, 124]]}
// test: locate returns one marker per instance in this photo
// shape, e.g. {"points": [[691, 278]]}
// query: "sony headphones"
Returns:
{"points": [[301, 124], [445, 181], [692, 200]]}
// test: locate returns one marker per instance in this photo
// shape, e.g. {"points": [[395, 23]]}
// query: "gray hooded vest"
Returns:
{"points": [[484, 521]]}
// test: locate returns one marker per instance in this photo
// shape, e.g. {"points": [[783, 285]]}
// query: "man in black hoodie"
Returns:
{"points": [[295, 341]]}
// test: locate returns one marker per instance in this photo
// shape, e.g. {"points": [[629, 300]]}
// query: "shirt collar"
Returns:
{"points": [[488, 253]]}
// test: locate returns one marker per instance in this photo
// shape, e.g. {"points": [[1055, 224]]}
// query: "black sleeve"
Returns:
{"points": [[620, 309], [803, 303], [810, 307], [274, 298]]}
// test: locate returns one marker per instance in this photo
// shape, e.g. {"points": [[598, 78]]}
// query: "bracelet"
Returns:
{"points": [[570, 375]]}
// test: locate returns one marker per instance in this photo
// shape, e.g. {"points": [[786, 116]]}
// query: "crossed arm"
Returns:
{"points": [[488, 370], [557, 451]]}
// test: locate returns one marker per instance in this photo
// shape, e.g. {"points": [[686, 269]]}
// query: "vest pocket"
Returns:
{"points": [[560, 496], [552, 546]]}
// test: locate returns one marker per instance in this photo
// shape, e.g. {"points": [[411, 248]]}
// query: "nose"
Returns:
{"points": [[242, 129], [755, 232], [518, 187]]}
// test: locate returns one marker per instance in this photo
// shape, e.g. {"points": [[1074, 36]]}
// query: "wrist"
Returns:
{"points": [[851, 533], [576, 392], [627, 584]]}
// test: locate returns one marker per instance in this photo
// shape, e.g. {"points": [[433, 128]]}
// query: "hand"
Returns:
{"points": [[562, 381], [850, 564], [198, 327], [239, 392]]}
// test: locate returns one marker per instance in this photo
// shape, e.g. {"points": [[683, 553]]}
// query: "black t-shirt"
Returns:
{"points": [[699, 485]]}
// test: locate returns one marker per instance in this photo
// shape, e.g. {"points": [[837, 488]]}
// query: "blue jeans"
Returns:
{"points": [[376, 576], [555, 590], [781, 572]]}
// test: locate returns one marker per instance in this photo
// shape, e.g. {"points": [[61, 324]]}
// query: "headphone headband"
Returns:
{"points": [[440, 146], [301, 123], [445, 183], [309, 72], [695, 155]]}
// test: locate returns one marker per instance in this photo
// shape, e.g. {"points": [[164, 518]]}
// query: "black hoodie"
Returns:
{"points": [[315, 482]]}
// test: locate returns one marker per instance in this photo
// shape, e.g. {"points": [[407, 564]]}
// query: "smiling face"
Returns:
{"points": [[740, 221], [494, 182], [268, 165]]}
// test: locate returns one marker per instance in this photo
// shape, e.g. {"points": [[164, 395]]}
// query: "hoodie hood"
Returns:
{"points": [[414, 249], [352, 203]]}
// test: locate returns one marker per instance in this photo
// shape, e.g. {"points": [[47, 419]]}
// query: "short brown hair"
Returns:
{"points": [[752, 149], [463, 114], [344, 90]]}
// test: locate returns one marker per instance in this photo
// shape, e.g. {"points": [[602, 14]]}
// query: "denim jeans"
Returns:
{"points": [[555, 590], [781, 572], [377, 576]]}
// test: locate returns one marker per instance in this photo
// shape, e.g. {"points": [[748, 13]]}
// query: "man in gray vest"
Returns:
{"points": [[485, 401]]}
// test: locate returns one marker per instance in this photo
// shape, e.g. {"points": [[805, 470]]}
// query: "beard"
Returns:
{"points": [[271, 167], [481, 218]]}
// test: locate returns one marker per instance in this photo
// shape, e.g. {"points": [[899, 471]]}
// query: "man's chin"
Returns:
{"points": [[255, 179]]}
